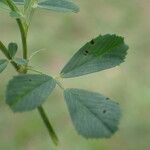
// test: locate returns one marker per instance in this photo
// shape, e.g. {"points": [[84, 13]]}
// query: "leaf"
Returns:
{"points": [[3, 64], [19, 2], [56, 5], [26, 92], [12, 48], [101, 53], [16, 15], [93, 115], [20, 61], [59, 5]]}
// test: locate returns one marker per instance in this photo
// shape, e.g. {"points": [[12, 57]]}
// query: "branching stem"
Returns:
{"points": [[47, 123]]}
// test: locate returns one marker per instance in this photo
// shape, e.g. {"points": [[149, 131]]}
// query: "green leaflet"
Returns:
{"points": [[16, 15], [101, 53], [26, 92], [3, 64], [56, 5], [20, 2], [93, 115], [20, 61], [12, 48], [59, 5]]}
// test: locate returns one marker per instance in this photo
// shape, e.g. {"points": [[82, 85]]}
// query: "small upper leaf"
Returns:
{"points": [[59, 5], [101, 53], [93, 115], [56, 5], [12, 48], [20, 2], [16, 15], [3, 64], [20, 61], [26, 92]]}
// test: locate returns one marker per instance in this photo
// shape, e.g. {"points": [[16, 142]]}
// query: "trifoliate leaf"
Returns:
{"points": [[101, 53], [12, 48], [93, 115], [26, 92], [3, 64]]}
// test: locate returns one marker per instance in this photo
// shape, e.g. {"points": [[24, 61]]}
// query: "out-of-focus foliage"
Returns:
{"points": [[61, 35]]}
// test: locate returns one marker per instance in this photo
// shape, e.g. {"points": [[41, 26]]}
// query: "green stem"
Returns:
{"points": [[21, 27], [25, 56], [48, 125], [32, 69], [6, 53], [23, 37]]}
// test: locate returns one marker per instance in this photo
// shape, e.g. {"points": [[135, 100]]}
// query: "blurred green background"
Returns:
{"points": [[62, 34]]}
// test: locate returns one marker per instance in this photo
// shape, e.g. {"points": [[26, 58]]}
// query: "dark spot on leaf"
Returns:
{"points": [[107, 98], [30, 80], [86, 52], [104, 111], [92, 42]]}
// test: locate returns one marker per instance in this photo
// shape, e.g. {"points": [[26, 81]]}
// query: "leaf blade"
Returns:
{"points": [[99, 54], [20, 61], [12, 48], [55, 5], [3, 64], [16, 15], [27, 92], [19, 2], [59, 5], [93, 115]]}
